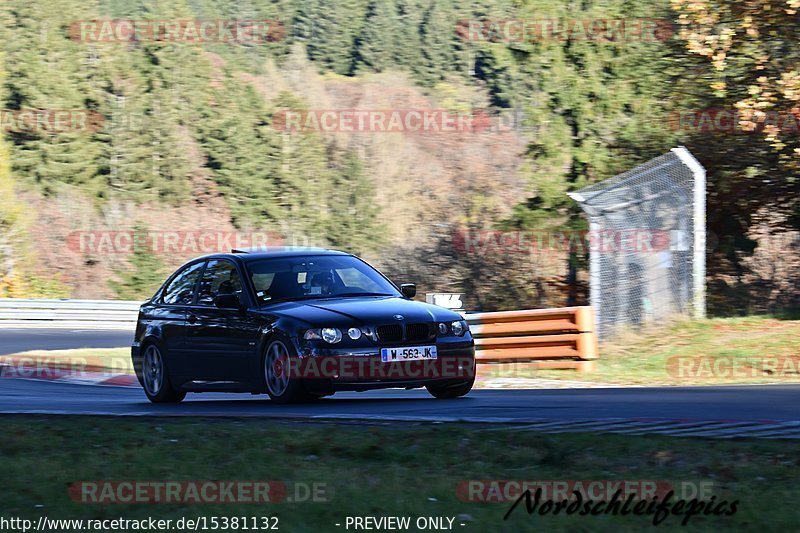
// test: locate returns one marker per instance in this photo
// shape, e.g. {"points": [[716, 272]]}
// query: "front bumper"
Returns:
{"points": [[340, 369]]}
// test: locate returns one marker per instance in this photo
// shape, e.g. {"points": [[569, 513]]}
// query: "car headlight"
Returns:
{"points": [[354, 333], [331, 335], [458, 327], [442, 328]]}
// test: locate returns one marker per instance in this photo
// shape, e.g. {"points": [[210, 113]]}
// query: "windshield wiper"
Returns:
{"points": [[358, 294], [324, 296]]}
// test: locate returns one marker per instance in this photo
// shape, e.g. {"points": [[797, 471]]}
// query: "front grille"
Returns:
{"points": [[390, 333], [413, 332], [419, 332]]}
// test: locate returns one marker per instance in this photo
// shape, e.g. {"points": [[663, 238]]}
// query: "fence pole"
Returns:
{"points": [[594, 273], [699, 218]]}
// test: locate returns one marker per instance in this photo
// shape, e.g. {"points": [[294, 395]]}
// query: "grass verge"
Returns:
{"points": [[412, 470], [715, 351]]}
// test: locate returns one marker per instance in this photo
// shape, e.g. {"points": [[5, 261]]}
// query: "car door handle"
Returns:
{"points": [[191, 319]]}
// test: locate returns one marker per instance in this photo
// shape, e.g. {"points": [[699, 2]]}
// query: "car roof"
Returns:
{"points": [[251, 254]]}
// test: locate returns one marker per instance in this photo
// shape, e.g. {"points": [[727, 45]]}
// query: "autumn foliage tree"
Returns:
{"points": [[752, 62]]}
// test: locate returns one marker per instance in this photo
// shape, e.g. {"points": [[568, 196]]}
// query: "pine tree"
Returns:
{"points": [[304, 180], [354, 222], [146, 274], [17, 279], [377, 44], [242, 153], [43, 75], [438, 43], [330, 31]]}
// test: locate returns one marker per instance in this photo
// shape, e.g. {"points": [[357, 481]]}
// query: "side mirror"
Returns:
{"points": [[409, 290], [227, 301]]}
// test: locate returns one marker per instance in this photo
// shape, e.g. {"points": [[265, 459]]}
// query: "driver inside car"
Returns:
{"points": [[322, 283]]}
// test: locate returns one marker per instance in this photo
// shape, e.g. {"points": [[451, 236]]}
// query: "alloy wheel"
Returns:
{"points": [[276, 368], [153, 370]]}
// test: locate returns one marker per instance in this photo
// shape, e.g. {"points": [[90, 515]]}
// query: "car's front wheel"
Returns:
{"points": [[450, 391], [155, 379], [282, 387]]}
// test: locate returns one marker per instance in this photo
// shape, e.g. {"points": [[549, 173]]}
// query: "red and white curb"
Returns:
{"points": [[87, 377]]}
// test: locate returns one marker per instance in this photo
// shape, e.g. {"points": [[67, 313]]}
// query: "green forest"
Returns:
{"points": [[190, 127]]}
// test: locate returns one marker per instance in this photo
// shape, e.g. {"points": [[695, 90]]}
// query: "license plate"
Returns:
{"points": [[408, 354]]}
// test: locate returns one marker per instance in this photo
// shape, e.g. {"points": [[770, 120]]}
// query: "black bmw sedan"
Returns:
{"points": [[298, 324]]}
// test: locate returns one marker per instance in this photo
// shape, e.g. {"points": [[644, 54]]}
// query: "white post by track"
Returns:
{"points": [[699, 218]]}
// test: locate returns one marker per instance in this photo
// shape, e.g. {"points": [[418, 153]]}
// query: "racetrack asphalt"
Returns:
{"points": [[733, 403], [758, 408], [23, 340]]}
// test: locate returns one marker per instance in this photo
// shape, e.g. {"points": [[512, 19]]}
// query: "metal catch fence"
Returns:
{"points": [[647, 242]]}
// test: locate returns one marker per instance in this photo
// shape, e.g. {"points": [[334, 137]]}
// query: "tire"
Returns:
{"points": [[281, 386], [451, 391], [155, 378]]}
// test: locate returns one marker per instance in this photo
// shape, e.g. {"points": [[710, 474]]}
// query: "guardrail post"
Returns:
{"points": [[587, 345]]}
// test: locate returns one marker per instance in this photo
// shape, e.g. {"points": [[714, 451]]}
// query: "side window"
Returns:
{"points": [[180, 291], [220, 277]]}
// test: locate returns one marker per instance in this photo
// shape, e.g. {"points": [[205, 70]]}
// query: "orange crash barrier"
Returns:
{"points": [[536, 338]]}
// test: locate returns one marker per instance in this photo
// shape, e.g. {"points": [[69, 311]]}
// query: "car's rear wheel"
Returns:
{"points": [[282, 387], [451, 391], [155, 379]]}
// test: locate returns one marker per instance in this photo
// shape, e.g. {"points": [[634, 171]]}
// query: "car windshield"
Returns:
{"points": [[321, 276]]}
